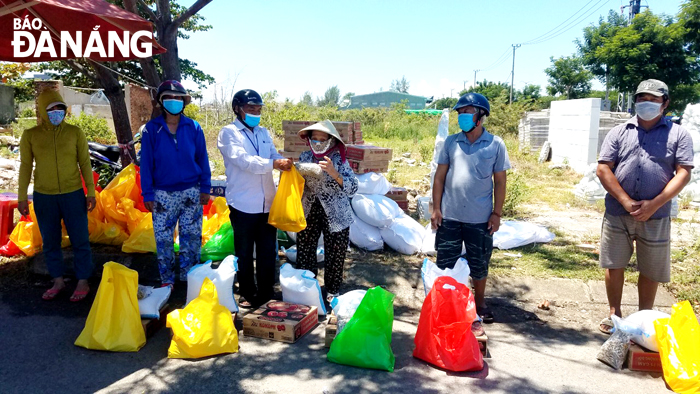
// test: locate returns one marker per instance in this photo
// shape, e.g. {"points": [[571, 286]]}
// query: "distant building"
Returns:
{"points": [[385, 99]]}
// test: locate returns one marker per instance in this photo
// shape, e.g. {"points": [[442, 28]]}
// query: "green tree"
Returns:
{"points": [[529, 92], [171, 21], [689, 18], [330, 98], [11, 75], [490, 90], [400, 85], [306, 99], [651, 46], [567, 76], [445, 102]]}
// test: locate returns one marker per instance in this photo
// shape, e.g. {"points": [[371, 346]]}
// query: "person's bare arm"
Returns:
{"points": [[612, 186], [438, 188], [499, 197], [673, 187]]}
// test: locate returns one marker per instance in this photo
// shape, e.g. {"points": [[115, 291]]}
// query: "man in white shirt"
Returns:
{"points": [[250, 156]]}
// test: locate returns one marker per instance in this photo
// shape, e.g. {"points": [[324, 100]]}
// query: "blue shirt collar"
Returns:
{"points": [[662, 123], [484, 137]]}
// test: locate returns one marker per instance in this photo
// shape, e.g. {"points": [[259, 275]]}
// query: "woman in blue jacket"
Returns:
{"points": [[175, 180]]}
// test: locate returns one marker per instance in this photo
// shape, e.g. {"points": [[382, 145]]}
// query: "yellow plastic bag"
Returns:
{"points": [[106, 233], [122, 186], [26, 235], [114, 322], [142, 239], [203, 328], [679, 347], [287, 213]]}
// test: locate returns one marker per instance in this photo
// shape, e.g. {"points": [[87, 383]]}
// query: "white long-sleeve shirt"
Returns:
{"points": [[248, 157]]}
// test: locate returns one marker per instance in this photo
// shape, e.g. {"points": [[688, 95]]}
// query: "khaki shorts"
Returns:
{"points": [[652, 239]]}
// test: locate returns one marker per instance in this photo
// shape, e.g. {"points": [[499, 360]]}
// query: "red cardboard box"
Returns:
{"points": [[292, 127], [280, 321], [368, 153], [640, 359], [290, 155], [363, 167], [295, 146]]}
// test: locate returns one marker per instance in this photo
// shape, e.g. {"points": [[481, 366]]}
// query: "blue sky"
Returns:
{"points": [[361, 45]]}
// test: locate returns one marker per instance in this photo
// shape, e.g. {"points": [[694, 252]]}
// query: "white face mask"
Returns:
{"points": [[647, 110], [319, 147]]}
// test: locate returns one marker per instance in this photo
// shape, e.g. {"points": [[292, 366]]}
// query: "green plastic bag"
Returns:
{"points": [[220, 245], [366, 339], [283, 239]]}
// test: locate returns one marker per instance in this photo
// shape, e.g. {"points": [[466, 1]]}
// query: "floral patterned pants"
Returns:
{"points": [[184, 210], [335, 246]]}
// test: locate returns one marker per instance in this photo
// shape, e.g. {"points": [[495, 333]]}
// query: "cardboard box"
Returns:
{"points": [[291, 128], [218, 188], [363, 167], [331, 330], [483, 345], [290, 155], [403, 204], [398, 194], [640, 359], [368, 153], [295, 146], [151, 326], [280, 321]]}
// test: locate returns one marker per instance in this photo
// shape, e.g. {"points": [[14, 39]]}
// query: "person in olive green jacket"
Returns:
{"points": [[60, 152]]}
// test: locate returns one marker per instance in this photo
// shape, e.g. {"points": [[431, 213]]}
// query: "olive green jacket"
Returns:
{"points": [[60, 153]]}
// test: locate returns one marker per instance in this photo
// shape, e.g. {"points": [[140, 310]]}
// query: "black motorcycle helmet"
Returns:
{"points": [[246, 96], [475, 100]]}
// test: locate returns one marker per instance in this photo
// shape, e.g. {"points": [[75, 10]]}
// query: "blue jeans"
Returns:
{"points": [[72, 208]]}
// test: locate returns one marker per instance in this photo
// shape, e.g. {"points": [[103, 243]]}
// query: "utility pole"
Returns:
{"points": [[512, 72], [475, 71]]}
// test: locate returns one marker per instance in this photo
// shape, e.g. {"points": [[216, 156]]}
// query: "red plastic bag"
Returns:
{"points": [[444, 337], [10, 249]]}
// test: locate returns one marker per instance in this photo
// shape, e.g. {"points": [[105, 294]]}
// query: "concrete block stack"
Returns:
{"points": [[350, 133]]}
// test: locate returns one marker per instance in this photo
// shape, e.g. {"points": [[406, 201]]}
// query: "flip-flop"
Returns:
{"points": [[606, 326], [51, 294], [485, 314], [243, 303], [79, 295]]}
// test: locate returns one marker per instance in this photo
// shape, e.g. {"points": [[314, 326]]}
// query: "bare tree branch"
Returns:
{"points": [[83, 70], [195, 8], [152, 15]]}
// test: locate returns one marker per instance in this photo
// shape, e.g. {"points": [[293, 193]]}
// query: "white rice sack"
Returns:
{"points": [[640, 325], [301, 287], [405, 235], [149, 307], [430, 272], [372, 183], [223, 278], [365, 236], [375, 210]]}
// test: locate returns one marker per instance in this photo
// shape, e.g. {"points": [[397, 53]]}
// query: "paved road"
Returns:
{"points": [[531, 351]]}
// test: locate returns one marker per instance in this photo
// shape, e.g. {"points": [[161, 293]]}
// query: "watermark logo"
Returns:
{"points": [[26, 45]]}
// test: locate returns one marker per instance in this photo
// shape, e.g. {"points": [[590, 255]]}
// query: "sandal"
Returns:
{"points": [[243, 303], [51, 294], [606, 326], [485, 314], [79, 295]]}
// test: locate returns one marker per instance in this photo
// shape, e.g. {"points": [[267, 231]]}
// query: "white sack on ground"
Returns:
{"points": [[430, 272], [149, 307], [223, 278], [513, 234], [301, 287], [344, 306], [641, 326], [405, 235], [375, 210], [365, 236], [372, 183]]}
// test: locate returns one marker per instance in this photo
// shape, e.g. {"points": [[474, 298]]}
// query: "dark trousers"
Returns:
{"points": [[251, 230], [335, 246], [72, 208]]}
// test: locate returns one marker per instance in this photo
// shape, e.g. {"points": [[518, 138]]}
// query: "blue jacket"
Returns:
{"points": [[173, 162]]}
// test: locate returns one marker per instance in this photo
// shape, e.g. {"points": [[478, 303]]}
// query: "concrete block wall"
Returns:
{"points": [[573, 132]]}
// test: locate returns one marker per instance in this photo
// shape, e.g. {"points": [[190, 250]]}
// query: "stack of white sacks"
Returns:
{"points": [[691, 122]]}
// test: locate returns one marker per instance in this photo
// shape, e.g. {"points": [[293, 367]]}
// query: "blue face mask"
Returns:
{"points": [[56, 117], [174, 107], [252, 120], [466, 122]]}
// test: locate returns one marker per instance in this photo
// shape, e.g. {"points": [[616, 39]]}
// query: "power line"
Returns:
{"points": [[566, 20], [571, 25]]}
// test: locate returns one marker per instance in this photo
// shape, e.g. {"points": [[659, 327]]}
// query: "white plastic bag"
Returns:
{"points": [[291, 254], [301, 287], [365, 236], [149, 307], [430, 272], [344, 306], [372, 183], [222, 277], [375, 210], [512, 234], [428, 244], [404, 235], [640, 325]]}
